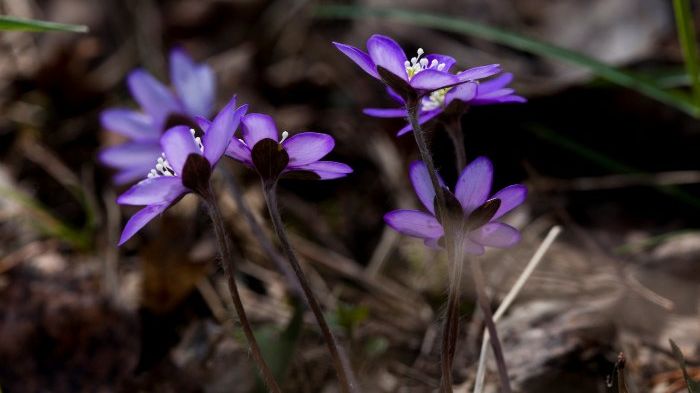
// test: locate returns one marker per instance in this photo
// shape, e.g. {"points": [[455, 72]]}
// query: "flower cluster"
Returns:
{"points": [[479, 212]]}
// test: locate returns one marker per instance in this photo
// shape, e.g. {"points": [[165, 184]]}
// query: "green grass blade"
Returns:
{"points": [[11, 23], [676, 99], [686, 37], [692, 385]]}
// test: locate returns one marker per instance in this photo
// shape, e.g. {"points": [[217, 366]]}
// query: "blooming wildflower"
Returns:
{"points": [[295, 155], [386, 61], [184, 166], [480, 213], [194, 93], [492, 91]]}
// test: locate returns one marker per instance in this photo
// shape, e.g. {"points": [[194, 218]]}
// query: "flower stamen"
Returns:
{"points": [[418, 64]]}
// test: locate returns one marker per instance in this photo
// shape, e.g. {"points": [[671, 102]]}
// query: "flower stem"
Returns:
{"points": [[454, 130], [482, 299], [227, 263], [340, 361], [451, 324]]}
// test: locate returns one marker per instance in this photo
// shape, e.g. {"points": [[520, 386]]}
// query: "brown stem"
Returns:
{"points": [[227, 263], [482, 299], [340, 362]]}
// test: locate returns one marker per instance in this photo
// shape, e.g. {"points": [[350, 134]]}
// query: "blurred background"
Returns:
{"points": [[608, 145]]}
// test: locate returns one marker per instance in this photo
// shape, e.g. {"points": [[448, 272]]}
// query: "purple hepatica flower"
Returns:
{"points": [[479, 211], [492, 91], [387, 62], [294, 156], [194, 93], [184, 166]]}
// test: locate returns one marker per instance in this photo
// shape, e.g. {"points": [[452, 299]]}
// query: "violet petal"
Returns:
{"points": [[479, 72], [140, 219], [510, 197], [131, 154], [153, 96], [127, 122], [448, 61], [385, 112], [496, 234], [360, 58], [220, 133], [194, 83], [422, 119], [420, 178], [258, 126], [153, 191], [307, 147], [474, 184], [239, 151], [430, 80], [414, 223], [178, 143], [386, 53]]}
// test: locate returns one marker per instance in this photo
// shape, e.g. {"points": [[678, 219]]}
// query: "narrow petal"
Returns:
{"points": [[430, 80], [474, 184], [178, 143], [422, 119], [140, 219], [325, 169], [448, 61], [152, 95], [464, 92], [512, 99], [420, 178], [496, 234], [257, 126], [131, 154], [479, 72], [395, 96], [360, 58], [202, 122], [497, 93], [386, 53], [220, 133], [307, 147], [153, 191], [239, 151], [194, 83], [385, 112], [414, 223], [511, 197], [497, 83], [135, 125], [472, 248]]}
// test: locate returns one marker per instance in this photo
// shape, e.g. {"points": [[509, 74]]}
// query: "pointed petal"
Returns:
{"points": [[153, 191], [422, 119], [257, 126], [194, 83], [496, 234], [239, 151], [430, 80], [512, 99], [220, 133], [448, 61], [395, 96], [497, 93], [420, 178], [385, 112], [472, 248], [511, 197], [135, 125], [386, 53], [479, 72], [202, 122], [497, 83], [474, 184], [307, 147], [414, 223], [178, 143], [325, 169], [360, 58], [131, 154], [140, 219], [153, 96]]}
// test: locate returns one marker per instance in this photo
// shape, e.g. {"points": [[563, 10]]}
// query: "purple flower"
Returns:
{"points": [[184, 166], [492, 91], [194, 93], [421, 74], [480, 213], [295, 155]]}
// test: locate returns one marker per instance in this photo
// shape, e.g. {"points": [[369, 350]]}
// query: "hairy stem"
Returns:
{"points": [[227, 263], [340, 361], [451, 328], [482, 299], [454, 130]]}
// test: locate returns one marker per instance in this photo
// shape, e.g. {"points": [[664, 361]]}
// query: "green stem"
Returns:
{"points": [[686, 35], [340, 361], [227, 263]]}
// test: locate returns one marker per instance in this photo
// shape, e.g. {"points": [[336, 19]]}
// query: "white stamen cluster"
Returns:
{"points": [[435, 100], [418, 64], [285, 134], [163, 167]]}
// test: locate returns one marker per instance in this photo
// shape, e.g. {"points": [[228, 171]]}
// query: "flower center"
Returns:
{"points": [[435, 100], [163, 167], [418, 64]]}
